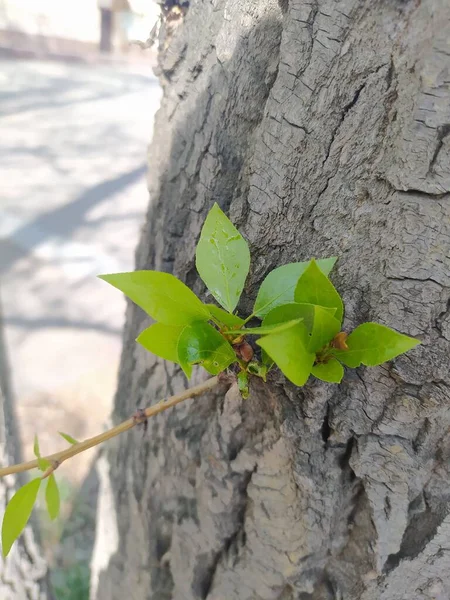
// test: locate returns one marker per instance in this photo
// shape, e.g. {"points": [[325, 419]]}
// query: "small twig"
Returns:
{"points": [[59, 457], [51, 469], [141, 419]]}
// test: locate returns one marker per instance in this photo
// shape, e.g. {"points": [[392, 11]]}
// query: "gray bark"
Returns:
{"points": [[322, 127], [23, 574]]}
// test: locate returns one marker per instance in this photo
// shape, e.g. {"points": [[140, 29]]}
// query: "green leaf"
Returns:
{"points": [[288, 349], [182, 357], [68, 438], [318, 320], [200, 343], [161, 295], [373, 344], [224, 317], [289, 312], [36, 450], [17, 513], [259, 369], [52, 497], [242, 379], [264, 329], [324, 328], [314, 287], [331, 371], [162, 340], [279, 286], [43, 464], [222, 258], [266, 360]]}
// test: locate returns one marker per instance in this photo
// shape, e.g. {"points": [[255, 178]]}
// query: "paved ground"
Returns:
{"points": [[73, 195]]}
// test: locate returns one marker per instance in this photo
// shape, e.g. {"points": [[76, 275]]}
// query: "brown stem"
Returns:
{"points": [[59, 457]]}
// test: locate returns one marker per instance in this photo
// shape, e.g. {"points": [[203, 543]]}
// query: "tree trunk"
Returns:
{"points": [[23, 574], [323, 129]]}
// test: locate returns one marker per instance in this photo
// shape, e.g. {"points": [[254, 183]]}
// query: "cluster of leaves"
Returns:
{"points": [[300, 317], [19, 508], [300, 311]]}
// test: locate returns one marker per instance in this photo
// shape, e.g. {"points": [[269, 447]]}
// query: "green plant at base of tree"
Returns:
{"points": [[300, 332]]}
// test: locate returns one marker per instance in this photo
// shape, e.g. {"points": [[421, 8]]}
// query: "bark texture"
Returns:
{"points": [[23, 574], [323, 128]]}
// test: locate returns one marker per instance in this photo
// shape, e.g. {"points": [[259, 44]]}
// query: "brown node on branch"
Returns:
{"points": [[140, 418], [54, 465]]}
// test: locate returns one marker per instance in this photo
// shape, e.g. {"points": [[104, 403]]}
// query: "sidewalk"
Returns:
{"points": [[73, 199]]}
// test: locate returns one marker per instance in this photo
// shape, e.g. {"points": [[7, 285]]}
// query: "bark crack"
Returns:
{"points": [[421, 529], [442, 132], [231, 545]]}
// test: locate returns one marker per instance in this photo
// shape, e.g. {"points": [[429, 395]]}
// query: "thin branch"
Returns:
{"points": [[51, 469], [59, 457]]}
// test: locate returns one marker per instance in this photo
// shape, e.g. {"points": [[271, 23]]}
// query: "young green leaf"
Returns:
{"points": [[318, 320], [260, 369], [222, 258], [200, 343], [36, 450], [18, 512], [373, 344], [315, 288], [331, 371], [162, 340], [224, 317], [52, 497], [68, 438], [264, 329], [288, 349], [279, 286], [324, 328], [242, 379], [161, 295], [267, 362], [294, 310], [43, 464]]}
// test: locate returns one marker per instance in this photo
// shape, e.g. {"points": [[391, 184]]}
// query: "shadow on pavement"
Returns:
{"points": [[65, 219]]}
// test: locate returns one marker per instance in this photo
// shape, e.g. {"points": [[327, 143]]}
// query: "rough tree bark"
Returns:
{"points": [[323, 128], [23, 574]]}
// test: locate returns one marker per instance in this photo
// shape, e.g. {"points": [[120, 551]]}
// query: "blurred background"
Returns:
{"points": [[77, 102]]}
